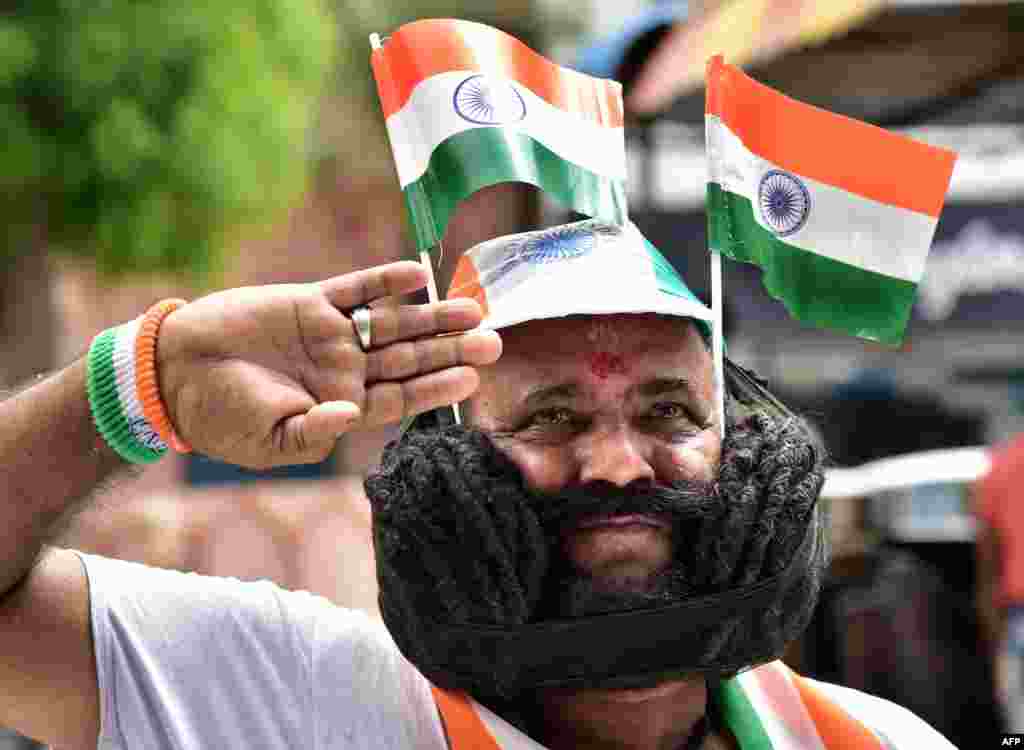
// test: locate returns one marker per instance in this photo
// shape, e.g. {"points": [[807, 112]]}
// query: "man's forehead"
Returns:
{"points": [[603, 334], [596, 358], [564, 338]]}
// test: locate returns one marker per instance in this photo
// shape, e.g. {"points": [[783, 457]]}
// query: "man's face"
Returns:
{"points": [[605, 399]]}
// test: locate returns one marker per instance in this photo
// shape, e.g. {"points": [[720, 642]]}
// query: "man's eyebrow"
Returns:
{"points": [[697, 407], [540, 395], [661, 386]]}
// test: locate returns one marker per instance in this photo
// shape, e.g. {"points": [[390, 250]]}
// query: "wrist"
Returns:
{"points": [[169, 363], [147, 373]]}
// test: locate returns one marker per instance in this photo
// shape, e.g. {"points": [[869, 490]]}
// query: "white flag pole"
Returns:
{"points": [[711, 153], [432, 294], [717, 342]]}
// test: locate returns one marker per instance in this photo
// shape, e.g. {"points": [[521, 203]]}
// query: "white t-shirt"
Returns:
{"points": [[187, 662]]}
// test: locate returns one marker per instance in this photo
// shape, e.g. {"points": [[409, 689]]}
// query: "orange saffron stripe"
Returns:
{"points": [[423, 49], [147, 389], [830, 148], [837, 728], [466, 730], [466, 283]]}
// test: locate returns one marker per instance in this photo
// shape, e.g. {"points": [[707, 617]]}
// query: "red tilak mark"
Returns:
{"points": [[603, 364]]}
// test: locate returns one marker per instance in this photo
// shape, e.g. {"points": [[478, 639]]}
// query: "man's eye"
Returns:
{"points": [[553, 417], [669, 410]]}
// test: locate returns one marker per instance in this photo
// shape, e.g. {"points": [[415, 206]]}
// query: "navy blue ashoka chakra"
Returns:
{"points": [[489, 100], [553, 245], [783, 202], [560, 243]]}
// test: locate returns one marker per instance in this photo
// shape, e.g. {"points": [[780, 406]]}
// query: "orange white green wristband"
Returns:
{"points": [[124, 395]]}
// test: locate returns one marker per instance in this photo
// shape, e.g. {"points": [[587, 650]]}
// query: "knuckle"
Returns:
{"points": [[386, 325], [452, 351], [405, 399], [366, 284], [404, 359], [414, 321], [375, 366], [387, 402], [421, 356], [458, 343]]}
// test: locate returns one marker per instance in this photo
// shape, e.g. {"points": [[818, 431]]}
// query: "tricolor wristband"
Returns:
{"points": [[113, 396], [124, 394]]}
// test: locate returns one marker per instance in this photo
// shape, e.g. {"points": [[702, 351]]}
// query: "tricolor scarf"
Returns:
{"points": [[766, 708]]}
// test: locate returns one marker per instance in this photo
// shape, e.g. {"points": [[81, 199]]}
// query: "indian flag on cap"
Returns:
{"points": [[584, 268], [468, 106], [838, 214]]}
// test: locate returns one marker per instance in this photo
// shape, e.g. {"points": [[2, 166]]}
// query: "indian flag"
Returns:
{"points": [[584, 268], [838, 214], [468, 106]]}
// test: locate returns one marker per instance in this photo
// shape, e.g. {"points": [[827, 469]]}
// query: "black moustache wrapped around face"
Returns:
{"points": [[462, 542]]}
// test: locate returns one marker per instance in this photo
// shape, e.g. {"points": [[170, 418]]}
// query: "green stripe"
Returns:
{"points": [[101, 384], [814, 289], [670, 282], [478, 158], [739, 715]]}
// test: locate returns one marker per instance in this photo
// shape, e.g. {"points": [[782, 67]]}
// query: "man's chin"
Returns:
{"points": [[636, 694], [580, 595], [620, 558]]}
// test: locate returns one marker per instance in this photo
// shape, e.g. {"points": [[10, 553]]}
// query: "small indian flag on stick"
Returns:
{"points": [[838, 214], [468, 106]]}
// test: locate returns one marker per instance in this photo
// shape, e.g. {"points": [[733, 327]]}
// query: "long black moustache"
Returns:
{"points": [[691, 508], [680, 503]]}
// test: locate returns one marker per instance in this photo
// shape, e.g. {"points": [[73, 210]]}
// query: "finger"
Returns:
{"points": [[390, 402], [310, 437], [361, 287], [390, 324], [408, 358]]}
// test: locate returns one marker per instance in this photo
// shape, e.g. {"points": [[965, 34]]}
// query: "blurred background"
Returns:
{"points": [[171, 148]]}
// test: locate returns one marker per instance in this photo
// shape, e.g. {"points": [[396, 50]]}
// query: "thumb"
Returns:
{"points": [[310, 437]]}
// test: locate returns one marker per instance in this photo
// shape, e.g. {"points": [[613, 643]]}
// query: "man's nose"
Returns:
{"points": [[613, 456]]}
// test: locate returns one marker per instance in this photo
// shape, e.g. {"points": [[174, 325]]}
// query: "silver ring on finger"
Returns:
{"points": [[364, 328]]}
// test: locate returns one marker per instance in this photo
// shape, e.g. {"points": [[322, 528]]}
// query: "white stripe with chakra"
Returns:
{"points": [[127, 396], [877, 237], [782, 713], [429, 118]]}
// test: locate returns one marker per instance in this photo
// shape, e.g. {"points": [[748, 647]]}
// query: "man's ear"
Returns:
{"points": [[435, 419]]}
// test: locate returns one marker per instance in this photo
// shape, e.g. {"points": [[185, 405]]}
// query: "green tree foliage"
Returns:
{"points": [[151, 132]]}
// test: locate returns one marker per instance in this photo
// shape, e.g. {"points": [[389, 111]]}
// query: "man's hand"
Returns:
{"points": [[272, 375]]}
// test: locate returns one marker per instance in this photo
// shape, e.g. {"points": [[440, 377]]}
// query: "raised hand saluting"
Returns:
{"points": [[271, 375]]}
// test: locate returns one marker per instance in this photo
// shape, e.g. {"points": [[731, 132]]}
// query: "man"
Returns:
{"points": [[585, 556], [1000, 556]]}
